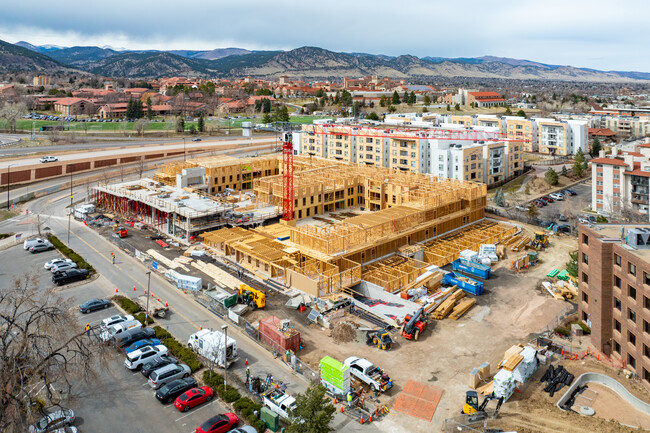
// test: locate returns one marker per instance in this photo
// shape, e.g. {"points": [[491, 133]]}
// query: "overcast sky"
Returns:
{"points": [[600, 34]]}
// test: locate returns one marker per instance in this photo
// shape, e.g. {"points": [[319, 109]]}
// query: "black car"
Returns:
{"points": [[138, 335], [94, 305], [65, 277], [157, 363], [168, 393]]}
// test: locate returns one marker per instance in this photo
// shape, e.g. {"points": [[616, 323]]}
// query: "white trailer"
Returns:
{"points": [[213, 346]]}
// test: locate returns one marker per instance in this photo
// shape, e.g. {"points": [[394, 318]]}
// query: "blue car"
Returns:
{"points": [[570, 191], [142, 343]]}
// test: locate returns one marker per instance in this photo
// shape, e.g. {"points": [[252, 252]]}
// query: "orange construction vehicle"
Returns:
{"points": [[122, 232]]}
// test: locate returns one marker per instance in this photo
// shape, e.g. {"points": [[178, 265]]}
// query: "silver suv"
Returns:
{"points": [[168, 373]]}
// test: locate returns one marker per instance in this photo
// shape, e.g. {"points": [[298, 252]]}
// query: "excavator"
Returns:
{"points": [[379, 338], [540, 241], [471, 406], [414, 325], [252, 297]]}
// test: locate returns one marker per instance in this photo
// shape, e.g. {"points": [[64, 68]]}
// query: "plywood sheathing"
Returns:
{"points": [[393, 273]]}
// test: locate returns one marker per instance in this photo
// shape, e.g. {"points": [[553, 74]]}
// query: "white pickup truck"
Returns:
{"points": [[367, 373], [279, 402]]}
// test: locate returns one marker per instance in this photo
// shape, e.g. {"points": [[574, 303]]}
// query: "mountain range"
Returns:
{"points": [[304, 63]]}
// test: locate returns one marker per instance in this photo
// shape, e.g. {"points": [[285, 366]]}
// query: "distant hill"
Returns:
{"points": [[16, 58], [304, 63]]}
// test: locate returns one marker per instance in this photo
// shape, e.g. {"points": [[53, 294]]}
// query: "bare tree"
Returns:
{"points": [[12, 112], [141, 125], [141, 166], [43, 350]]}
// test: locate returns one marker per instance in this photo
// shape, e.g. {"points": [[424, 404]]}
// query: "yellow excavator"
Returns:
{"points": [[540, 241], [252, 297], [471, 406]]}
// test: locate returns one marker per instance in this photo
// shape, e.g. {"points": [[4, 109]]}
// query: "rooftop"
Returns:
{"points": [[616, 233]]}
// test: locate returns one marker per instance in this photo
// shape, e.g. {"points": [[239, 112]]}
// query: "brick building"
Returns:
{"points": [[614, 286]]}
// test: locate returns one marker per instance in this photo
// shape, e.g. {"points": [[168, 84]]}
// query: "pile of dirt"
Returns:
{"points": [[343, 333], [537, 185]]}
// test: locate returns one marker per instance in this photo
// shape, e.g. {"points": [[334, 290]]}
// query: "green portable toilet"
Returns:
{"points": [[270, 418]]}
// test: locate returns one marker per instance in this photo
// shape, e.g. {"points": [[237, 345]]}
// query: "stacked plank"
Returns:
{"points": [[462, 307], [512, 357], [562, 290], [220, 277], [521, 244], [448, 305]]}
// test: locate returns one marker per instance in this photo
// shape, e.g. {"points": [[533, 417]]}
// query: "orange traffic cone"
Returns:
{"points": [[246, 363], [166, 304], [335, 402], [201, 328], [134, 288], [115, 290], [277, 386], [361, 420], [370, 418], [341, 409], [145, 292]]}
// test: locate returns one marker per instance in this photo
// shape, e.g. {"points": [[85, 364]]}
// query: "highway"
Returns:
{"points": [[125, 149], [186, 317]]}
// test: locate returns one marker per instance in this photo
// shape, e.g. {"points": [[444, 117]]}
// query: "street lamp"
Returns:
{"points": [[71, 210], [146, 315], [224, 328], [8, 182], [183, 149]]}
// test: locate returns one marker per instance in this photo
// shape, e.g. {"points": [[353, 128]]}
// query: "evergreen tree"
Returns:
{"points": [[372, 116], [267, 118], [572, 264], [521, 113], [201, 123], [149, 109], [457, 107], [395, 99], [314, 411], [383, 101], [448, 108], [551, 177], [596, 147], [508, 111], [532, 211], [579, 164], [426, 100], [564, 171]]}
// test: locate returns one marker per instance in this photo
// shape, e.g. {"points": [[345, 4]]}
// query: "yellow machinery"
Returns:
{"points": [[540, 241], [252, 297], [472, 407], [379, 338]]}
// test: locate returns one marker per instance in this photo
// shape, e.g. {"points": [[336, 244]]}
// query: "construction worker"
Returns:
{"points": [[88, 329], [349, 398], [113, 257], [248, 374]]}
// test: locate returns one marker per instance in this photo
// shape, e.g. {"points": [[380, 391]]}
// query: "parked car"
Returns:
{"points": [[41, 247], [521, 208], [70, 276], [539, 203], [133, 335], [168, 373], [563, 217], [167, 393], [49, 159], [66, 429], [142, 344], [219, 424], [114, 320], [32, 242], [137, 358], [193, 397], [244, 429], [48, 265], [564, 228], [156, 363], [60, 418], [547, 199], [570, 192], [556, 196], [65, 266], [197, 139], [94, 305]]}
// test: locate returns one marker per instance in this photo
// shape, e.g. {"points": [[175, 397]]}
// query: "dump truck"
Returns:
{"points": [[252, 297], [214, 347], [157, 308], [369, 374]]}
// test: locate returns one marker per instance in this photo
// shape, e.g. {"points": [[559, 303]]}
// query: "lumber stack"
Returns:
{"points": [[561, 290], [521, 244], [448, 304], [462, 307]]}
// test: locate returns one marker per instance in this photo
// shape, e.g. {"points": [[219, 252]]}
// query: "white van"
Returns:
{"points": [[119, 328]]}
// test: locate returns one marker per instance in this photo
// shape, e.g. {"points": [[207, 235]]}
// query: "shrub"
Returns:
{"points": [[563, 331], [585, 329], [141, 317], [69, 253], [231, 394], [129, 306], [5, 235], [213, 382], [178, 350], [247, 408]]}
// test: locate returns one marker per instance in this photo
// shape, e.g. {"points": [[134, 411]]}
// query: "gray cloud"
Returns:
{"points": [[598, 33]]}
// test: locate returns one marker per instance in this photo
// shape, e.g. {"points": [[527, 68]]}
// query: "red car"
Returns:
{"points": [[129, 223], [219, 424], [193, 397], [547, 199]]}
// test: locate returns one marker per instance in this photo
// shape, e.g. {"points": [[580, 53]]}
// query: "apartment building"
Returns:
{"points": [[561, 137], [373, 150], [41, 80], [409, 154], [489, 121], [520, 128], [633, 127], [614, 292]]}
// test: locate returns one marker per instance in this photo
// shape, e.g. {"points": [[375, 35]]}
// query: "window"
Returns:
{"points": [[617, 347], [631, 315], [585, 239], [631, 361], [646, 351], [646, 375], [631, 268], [646, 278], [585, 278], [617, 325], [631, 338], [585, 259], [617, 304], [647, 303], [617, 259], [646, 327], [631, 292], [617, 281], [585, 297]]}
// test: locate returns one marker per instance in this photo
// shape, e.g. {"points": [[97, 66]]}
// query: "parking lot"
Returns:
{"points": [[116, 399]]}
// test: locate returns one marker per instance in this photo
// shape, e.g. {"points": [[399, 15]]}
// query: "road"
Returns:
{"points": [[187, 316], [133, 149]]}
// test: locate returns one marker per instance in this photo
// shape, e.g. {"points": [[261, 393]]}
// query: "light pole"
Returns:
{"points": [[70, 211], [146, 314], [224, 328], [183, 149], [8, 182]]}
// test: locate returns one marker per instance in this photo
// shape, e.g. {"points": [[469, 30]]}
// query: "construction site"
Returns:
{"points": [[323, 261]]}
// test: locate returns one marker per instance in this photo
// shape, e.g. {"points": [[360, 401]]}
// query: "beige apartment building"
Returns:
{"points": [[520, 128]]}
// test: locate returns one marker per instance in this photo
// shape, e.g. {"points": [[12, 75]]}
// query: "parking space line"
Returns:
{"points": [[194, 411]]}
